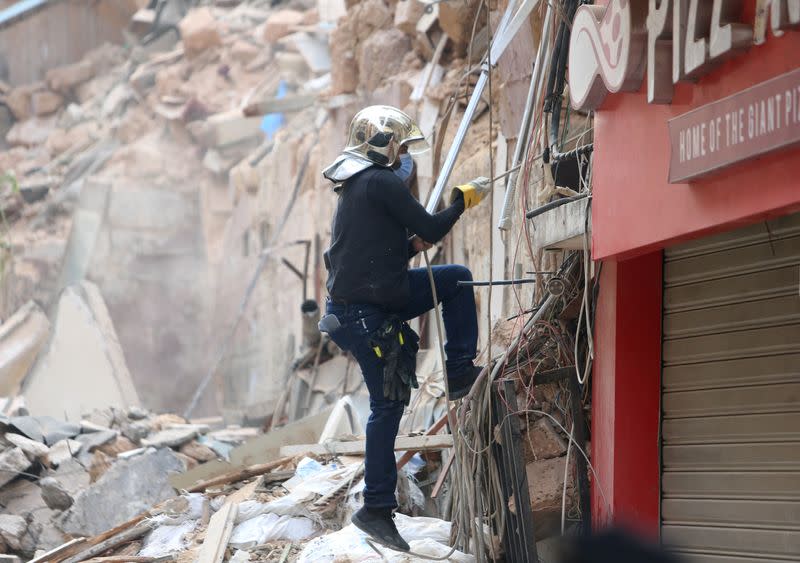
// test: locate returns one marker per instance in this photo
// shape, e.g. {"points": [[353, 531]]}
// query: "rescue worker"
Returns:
{"points": [[377, 227]]}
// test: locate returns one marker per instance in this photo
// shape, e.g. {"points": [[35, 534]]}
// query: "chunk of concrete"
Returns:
{"points": [[198, 451], [22, 335], [563, 227], [19, 102], [45, 102], [12, 529], [73, 477], [128, 488], [43, 428], [64, 450], [83, 367], [226, 128], [545, 442], [65, 78], [315, 52], [199, 31], [281, 23], [381, 56], [118, 446], [33, 449], [243, 51], [456, 18], [407, 14], [171, 437], [12, 462], [54, 494], [94, 440], [31, 132], [135, 431]]}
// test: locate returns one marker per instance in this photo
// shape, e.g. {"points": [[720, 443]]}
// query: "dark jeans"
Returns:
{"points": [[358, 321]]}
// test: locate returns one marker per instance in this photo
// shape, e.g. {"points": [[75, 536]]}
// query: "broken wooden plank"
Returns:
{"points": [[56, 551], [218, 534], [123, 537], [240, 474], [130, 559], [280, 105], [442, 476], [434, 429], [402, 443]]}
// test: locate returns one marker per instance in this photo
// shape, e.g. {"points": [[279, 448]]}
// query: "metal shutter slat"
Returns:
{"points": [[730, 451]]}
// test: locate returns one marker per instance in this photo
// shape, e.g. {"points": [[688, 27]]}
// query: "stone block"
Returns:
{"points": [[457, 17], [128, 488], [46, 102], [171, 437], [63, 451], [19, 102], [281, 23], [243, 51], [84, 344], [381, 56], [12, 530], [13, 461], [199, 31], [33, 449], [93, 440], [22, 335], [54, 494], [65, 78], [198, 451], [407, 14], [546, 484], [31, 132], [544, 441], [118, 446]]}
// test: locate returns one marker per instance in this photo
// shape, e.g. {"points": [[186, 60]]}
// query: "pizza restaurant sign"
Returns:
{"points": [[612, 48]]}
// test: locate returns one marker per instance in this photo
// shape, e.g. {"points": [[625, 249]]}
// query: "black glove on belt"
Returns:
{"points": [[396, 344]]}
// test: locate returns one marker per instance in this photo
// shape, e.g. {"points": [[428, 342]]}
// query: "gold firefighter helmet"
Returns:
{"points": [[377, 134]]}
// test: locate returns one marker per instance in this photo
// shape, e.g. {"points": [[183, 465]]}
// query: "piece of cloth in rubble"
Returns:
{"points": [[367, 261], [396, 344]]}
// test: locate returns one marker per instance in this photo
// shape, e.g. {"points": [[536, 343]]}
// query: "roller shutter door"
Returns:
{"points": [[730, 480]]}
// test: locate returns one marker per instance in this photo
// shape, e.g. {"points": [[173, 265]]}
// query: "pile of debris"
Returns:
{"points": [[73, 492], [60, 478]]}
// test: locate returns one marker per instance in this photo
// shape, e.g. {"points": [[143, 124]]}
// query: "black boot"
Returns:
{"points": [[379, 525], [461, 384]]}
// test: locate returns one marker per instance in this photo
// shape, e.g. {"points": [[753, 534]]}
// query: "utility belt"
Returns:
{"points": [[395, 344]]}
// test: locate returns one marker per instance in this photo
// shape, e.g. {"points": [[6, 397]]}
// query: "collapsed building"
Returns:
{"points": [[164, 223]]}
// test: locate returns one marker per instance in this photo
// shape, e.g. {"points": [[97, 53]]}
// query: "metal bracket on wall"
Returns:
{"points": [[520, 539]]}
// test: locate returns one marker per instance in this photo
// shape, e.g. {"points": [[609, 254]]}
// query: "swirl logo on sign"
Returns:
{"points": [[606, 51]]}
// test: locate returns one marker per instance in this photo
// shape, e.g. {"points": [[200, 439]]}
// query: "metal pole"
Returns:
{"points": [[505, 32], [534, 96]]}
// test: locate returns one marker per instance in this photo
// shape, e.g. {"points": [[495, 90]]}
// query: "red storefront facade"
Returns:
{"points": [[636, 214]]}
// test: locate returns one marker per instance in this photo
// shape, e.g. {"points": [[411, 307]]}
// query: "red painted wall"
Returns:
{"points": [[626, 395], [635, 210]]}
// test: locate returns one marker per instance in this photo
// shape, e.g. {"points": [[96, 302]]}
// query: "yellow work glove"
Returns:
{"points": [[474, 191]]}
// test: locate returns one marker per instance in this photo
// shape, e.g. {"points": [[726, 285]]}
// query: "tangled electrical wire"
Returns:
{"points": [[555, 333]]}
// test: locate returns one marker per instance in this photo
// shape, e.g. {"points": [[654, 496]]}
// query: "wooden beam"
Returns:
{"points": [[240, 474], [218, 534], [123, 537], [402, 443], [437, 488], [60, 550], [438, 425]]}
